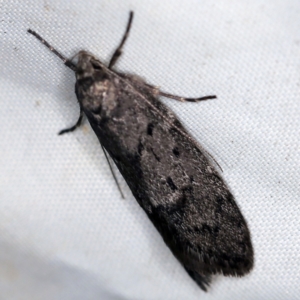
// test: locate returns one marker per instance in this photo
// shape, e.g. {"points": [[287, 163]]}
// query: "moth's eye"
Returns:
{"points": [[79, 71], [96, 67]]}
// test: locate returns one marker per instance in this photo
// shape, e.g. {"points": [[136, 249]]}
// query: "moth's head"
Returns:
{"points": [[86, 64], [91, 74], [94, 88]]}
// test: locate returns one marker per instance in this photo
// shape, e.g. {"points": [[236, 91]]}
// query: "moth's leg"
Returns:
{"points": [[178, 98], [183, 99], [118, 51], [66, 61], [78, 123], [112, 171]]}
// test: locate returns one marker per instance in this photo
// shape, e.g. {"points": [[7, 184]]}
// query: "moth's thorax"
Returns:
{"points": [[95, 88]]}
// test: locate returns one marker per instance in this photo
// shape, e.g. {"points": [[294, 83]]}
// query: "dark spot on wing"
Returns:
{"points": [[216, 230], [206, 229], [240, 224], [220, 202], [150, 129], [171, 184], [155, 155], [187, 189], [173, 131], [140, 148], [230, 198], [176, 151]]}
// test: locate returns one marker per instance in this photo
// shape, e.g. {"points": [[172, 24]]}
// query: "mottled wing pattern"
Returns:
{"points": [[174, 182]]}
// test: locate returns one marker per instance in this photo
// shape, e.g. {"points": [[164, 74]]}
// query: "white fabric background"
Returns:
{"points": [[65, 232]]}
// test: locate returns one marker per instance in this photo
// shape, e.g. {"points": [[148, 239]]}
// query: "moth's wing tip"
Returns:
{"points": [[243, 268], [203, 281]]}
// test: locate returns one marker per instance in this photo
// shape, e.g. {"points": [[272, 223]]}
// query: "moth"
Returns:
{"points": [[170, 175]]}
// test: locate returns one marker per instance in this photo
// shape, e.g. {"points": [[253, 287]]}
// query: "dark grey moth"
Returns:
{"points": [[170, 176]]}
